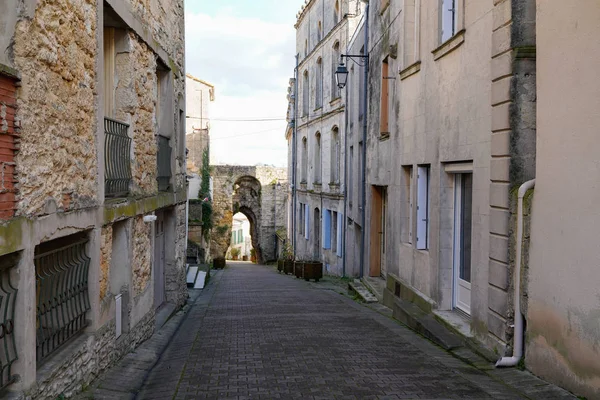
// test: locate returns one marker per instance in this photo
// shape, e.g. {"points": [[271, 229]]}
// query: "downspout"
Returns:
{"points": [[364, 149], [294, 157], [345, 215], [518, 328]]}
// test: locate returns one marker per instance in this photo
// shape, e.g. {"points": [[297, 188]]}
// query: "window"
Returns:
{"points": [[360, 170], [422, 207], [317, 161], [448, 15], [336, 13], [303, 176], [339, 247], [240, 236], [335, 59], [305, 95], [305, 47], [62, 296], [411, 32], [384, 128], [319, 84], [335, 156], [306, 221], [301, 219], [334, 230], [351, 177], [327, 229], [407, 204], [319, 31]]}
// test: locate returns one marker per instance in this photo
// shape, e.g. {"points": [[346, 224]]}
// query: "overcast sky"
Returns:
{"points": [[246, 49]]}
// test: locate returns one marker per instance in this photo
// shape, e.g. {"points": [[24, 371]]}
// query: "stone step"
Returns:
{"points": [[192, 272], [200, 280], [361, 291]]}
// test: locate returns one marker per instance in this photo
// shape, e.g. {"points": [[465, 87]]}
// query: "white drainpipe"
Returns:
{"points": [[518, 330]]}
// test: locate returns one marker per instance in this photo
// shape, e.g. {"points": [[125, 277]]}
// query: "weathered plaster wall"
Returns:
{"points": [[175, 285], [562, 315], [55, 53], [142, 255]]}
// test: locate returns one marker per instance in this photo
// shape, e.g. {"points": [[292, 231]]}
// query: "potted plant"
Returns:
{"points": [[287, 259], [299, 268], [219, 263], [235, 253], [253, 255], [312, 270]]}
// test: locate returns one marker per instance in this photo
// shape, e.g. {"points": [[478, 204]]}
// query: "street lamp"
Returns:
{"points": [[341, 74]]}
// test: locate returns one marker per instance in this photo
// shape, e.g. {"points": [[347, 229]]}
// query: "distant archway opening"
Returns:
{"points": [[246, 199]]}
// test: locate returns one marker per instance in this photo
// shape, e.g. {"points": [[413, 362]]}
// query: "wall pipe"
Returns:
{"points": [[294, 157], [518, 327], [364, 149]]}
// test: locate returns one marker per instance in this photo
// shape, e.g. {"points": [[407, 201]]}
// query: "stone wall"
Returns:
{"points": [[142, 255], [105, 259], [86, 358], [56, 53], [175, 285]]}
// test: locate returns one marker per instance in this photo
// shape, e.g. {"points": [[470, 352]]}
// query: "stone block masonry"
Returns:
{"points": [[55, 53], [142, 255], [9, 142]]}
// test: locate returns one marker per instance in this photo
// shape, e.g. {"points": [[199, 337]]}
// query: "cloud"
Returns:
{"points": [[250, 62]]}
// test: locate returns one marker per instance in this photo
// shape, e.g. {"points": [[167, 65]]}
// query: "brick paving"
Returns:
{"points": [[255, 334]]}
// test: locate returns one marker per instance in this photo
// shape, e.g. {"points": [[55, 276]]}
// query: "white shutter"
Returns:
{"points": [[340, 226], [306, 220], [422, 205]]}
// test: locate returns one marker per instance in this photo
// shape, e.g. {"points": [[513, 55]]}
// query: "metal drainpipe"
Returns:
{"points": [[518, 332], [344, 225], [364, 150], [294, 158]]}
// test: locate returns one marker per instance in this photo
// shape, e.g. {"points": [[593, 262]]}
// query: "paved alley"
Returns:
{"points": [[256, 334]]}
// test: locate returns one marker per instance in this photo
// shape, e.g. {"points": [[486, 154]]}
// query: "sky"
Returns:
{"points": [[245, 48]]}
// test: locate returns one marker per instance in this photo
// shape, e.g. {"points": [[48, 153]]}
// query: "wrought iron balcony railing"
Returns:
{"points": [[117, 158], [61, 269], [8, 296], [164, 164]]}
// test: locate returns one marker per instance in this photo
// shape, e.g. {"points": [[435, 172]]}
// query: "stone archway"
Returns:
{"points": [[251, 190]]}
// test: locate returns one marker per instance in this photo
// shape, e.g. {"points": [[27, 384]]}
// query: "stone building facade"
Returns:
{"points": [[318, 130], [92, 151], [258, 192]]}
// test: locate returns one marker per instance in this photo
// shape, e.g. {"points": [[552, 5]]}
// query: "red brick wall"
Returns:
{"points": [[9, 130]]}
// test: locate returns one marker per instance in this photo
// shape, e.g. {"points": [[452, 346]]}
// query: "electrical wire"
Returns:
{"points": [[247, 120], [245, 134]]}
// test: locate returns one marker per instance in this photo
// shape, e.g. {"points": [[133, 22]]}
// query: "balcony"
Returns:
{"points": [[164, 164], [117, 158]]}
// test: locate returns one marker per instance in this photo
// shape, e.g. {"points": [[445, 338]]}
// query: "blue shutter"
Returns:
{"points": [[327, 229], [306, 221], [340, 227]]}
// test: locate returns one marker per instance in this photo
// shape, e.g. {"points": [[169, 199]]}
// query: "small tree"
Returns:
{"points": [[204, 194], [235, 253]]}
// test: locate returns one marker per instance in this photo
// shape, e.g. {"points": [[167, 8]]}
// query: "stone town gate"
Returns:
{"points": [[253, 191]]}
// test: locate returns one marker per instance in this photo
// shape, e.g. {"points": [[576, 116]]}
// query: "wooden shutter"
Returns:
{"points": [[340, 226], [306, 221]]}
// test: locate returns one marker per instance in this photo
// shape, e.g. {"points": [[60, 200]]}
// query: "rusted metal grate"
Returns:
{"points": [[164, 164], [8, 296], [117, 158], [61, 269]]}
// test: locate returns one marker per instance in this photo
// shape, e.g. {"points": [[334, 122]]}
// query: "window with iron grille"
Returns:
{"points": [[62, 296], [117, 158], [164, 164], [8, 296]]}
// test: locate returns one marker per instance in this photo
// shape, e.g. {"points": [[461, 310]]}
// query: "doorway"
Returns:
{"points": [[159, 259], [317, 248], [463, 208], [378, 235]]}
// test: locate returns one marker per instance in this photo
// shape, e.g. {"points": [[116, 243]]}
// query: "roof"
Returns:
{"points": [[199, 80], [302, 12]]}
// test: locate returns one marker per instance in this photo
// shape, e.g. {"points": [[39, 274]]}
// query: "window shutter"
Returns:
{"points": [[327, 229], [306, 221], [340, 222], [422, 203]]}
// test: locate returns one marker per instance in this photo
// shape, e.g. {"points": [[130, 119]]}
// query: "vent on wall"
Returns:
{"points": [[118, 317]]}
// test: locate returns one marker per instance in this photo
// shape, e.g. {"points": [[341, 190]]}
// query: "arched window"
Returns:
{"points": [[336, 13], [335, 60], [320, 32], [305, 47], [317, 161], [305, 93], [335, 155], [319, 84], [304, 166]]}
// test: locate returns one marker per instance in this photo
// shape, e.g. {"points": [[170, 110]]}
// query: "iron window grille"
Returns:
{"points": [[8, 296], [61, 268], [164, 164], [117, 158]]}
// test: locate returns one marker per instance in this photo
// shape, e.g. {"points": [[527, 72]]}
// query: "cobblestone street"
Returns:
{"points": [[255, 334]]}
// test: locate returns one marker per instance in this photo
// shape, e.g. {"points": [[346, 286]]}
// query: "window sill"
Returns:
{"points": [[410, 70], [319, 108], [449, 45], [383, 136], [335, 100]]}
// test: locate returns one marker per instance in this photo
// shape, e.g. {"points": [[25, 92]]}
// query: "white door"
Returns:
{"points": [[463, 206]]}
